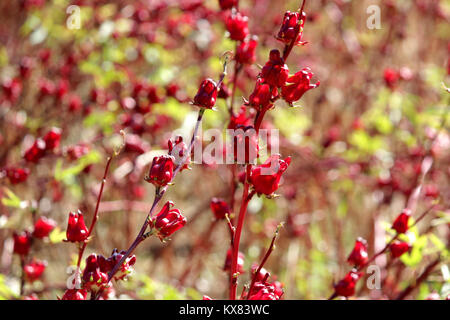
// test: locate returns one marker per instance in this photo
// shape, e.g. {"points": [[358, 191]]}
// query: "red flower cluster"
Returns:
{"points": [[292, 28], [41, 146], [16, 175], [237, 26], [358, 257], [266, 291], [299, 83], [167, 221]]}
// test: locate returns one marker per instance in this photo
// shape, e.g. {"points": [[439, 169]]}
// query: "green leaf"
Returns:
{"points": [[12, 200], [57, 235]]}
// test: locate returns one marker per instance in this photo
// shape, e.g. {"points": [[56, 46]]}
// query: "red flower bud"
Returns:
{"points": [[224, 92], [291, 27], [76, 228], [43, 227], [125, 269], [228, 4], [265, 291], [237, 26], [275, 72], [161, 171], [36, 151], [262, 95], [391, 77], [52, 139], [75, 103], [358, 257], [220, 208], [245, 52], [75, 294], [22, 243], [34, 270], [16, 175], [95, 275], [240, 262], [240, 119], [265, 178], [299, 83], [346, 287], [263, 273], [398, 248], [401, 222], [206, 95], [168, 221]]}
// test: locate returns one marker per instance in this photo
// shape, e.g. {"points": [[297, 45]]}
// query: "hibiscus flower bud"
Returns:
{"points": [[220, 208], [161, 171], [237, 26], [125, 269], [206, 95], [346, 287], [76, 228], [52, 139], [22, 243], [224, 91], [265, 178], [75, 294], [43, 227], [95, 275], [358, 257], [401, 222], [240, 262], [16, 175], [34, 270], [291, 28], [275, 72], [262, 95], [398, 248], [245, 51], [168, 221], [297, 85], [36, 151]]}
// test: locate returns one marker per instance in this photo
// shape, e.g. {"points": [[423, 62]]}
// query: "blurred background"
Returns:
{"points": [[356, 142]]}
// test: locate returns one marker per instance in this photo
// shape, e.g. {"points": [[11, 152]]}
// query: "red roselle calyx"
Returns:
{"points": [[206, 95], [76, 228], [398, 248], [262, 95], [43, 227], [401, 222], [167, 221], [240, 261], [34, 270], [95, 275], [16, 175], [358, 257], [237, 26], [219, 208], [297, 85], [245, 51], [22, 243], [36, 151], [125, 269], [161, 171], [346, 287], [75, 294], [292, 26], [275, 72], [265, 178]]}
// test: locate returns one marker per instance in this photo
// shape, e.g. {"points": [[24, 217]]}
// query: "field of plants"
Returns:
{"points": [[224, 149]]}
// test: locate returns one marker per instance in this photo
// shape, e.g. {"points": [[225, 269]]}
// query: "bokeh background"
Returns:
{"points": [[355, 141]]}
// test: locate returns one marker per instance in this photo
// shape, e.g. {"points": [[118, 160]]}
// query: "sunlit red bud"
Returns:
{"points": [[228, 4], [297, 85], [262, 95], [245, 51], [178, 149], [168, 221], [291, 28], [265, 178], [206, 95], [358, 257], [401, 222], [245, 144], [275, 72], [219, 208], [16, 175], [346, 286], [34, 270], [52, 139], [264, 291], [43, 227], [94, 276], [12, 88], [161, 171], [237, 26], [36, 151], [75, 294], [76, 228], [391, 78], [22, 243], [398, 248], [240, 262]]}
